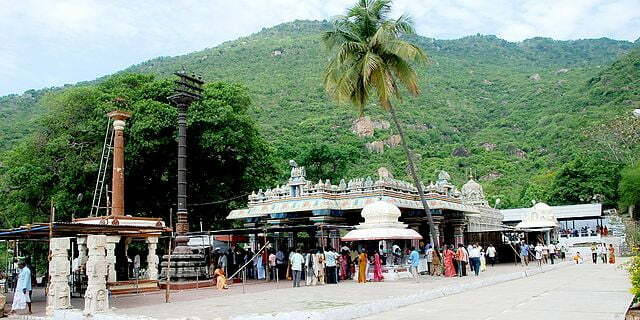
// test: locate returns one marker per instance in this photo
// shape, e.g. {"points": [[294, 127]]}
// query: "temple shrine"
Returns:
{"points": [[328, 209]]}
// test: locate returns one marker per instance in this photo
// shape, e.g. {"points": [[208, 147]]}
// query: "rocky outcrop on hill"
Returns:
{"points": [[460, 152], [375, 146]]}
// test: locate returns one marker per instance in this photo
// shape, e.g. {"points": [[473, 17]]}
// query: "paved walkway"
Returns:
{"points": [[585, 292], [570, 292], [263, 299]]}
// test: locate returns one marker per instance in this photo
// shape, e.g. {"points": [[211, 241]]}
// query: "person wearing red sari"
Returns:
{"points": [[377, 268], [345, 265], [449, 257]]}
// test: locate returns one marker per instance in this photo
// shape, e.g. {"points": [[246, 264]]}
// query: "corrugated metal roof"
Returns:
{"points": [[561, 212]]}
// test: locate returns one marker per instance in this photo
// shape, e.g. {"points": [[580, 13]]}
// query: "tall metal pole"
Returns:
{"points": [[189, 89]]}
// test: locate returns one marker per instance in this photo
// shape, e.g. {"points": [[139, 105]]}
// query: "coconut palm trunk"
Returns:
{"points": [[416, 180]]}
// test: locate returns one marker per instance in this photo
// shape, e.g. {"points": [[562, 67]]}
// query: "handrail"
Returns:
{"points": [[250, 260]]}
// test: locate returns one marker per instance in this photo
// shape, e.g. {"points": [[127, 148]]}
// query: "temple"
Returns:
{"points": [[460, 215]]}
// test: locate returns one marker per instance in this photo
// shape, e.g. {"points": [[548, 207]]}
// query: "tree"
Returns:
{"points": [[585, 180], [629, 187], [227, 155], [370, 55]]}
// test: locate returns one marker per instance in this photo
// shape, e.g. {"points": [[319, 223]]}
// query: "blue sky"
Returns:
{"points": [[46, 43]]}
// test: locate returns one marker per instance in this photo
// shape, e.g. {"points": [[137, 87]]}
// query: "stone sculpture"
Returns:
{"points": [[96, 297], [59, 294], [152, 258]]}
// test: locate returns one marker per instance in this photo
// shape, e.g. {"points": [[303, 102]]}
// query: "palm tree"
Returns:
{"points": [[371, 58]]}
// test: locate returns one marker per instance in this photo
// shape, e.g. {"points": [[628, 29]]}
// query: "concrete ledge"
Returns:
{"points": [[390, 303]]}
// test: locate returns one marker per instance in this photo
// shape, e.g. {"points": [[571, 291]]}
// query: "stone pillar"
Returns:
{"points": [[59, 293], [152, 258], [440, 235], [82, 252], [458, 233], [96, 297], [111, 242], [117, 178]]}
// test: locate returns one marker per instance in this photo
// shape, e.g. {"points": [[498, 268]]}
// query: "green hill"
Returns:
{"points": [[506, 112]]}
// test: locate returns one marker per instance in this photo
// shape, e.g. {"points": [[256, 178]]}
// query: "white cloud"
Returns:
{"points": [[53, 42]]}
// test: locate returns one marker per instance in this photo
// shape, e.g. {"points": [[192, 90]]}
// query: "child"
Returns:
{"points": [[221, 280], [577, 258]]}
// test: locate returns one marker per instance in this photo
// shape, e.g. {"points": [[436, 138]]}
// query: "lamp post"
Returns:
{"points": [[188, 89]]}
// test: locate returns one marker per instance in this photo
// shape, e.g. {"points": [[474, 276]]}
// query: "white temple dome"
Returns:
{"points": [[381, 222], [380, 211], [472, 193]]}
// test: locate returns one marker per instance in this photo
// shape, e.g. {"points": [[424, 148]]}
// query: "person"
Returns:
{"points": [[551, 248], [414, 261], [524, 254], [545, 253], [612, 254], [259, 267], [221, 279], [449, 257], [312, 277], [331, 262], [602, 252], [21, 299], [362, 267], [436, 266], [577, 257], [297, 261], [319, 266], [345, 265], [3, 294], [563, 252], [538, 249], [273, 267], [377, 267], [483, 261], [462, 258], [474, 259], [471, 265], [280, 265], [491, 254], [594, 253], [428, 255]]}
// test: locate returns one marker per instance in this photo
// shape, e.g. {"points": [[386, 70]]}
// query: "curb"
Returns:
{"points": [[394, 302]]}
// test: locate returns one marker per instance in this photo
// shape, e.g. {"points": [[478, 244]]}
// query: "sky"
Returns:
{"points": [[45, 43]]}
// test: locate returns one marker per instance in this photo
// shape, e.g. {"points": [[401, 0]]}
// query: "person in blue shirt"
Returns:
{"points": [[524, 254], [414, 261]]}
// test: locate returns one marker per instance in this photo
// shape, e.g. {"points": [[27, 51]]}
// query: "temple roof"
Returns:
{"points": [[380, 223]]}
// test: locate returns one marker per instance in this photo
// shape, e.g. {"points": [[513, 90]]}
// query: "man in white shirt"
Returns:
{"points": [[331, 258], [491, 254], [552, 252], [474, 258], [297, 261]]}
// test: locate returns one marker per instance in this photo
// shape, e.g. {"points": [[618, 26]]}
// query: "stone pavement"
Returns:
{"points": [[585, 292], [553, 293], [267, 301]]}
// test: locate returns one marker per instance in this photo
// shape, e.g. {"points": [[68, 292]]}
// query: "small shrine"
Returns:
{"points": [[541, 222]]}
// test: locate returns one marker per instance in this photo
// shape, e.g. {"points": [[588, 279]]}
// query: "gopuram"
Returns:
{"points": [[326, 208]]}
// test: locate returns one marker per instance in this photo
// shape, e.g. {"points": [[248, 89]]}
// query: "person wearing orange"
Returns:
{"points": [[612, 254], [362, 267], [462, 257], [449, 257], [221, 279]]}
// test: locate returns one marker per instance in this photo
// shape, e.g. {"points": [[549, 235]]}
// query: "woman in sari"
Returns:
{"points": [[362, 267], [344, 265], [377, 268], [612, 254], [436, 264], [448, 262], [221, 279], [483, 261]]}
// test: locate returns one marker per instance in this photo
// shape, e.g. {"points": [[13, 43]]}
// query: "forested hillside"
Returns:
{"points": [[513, 114]]}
